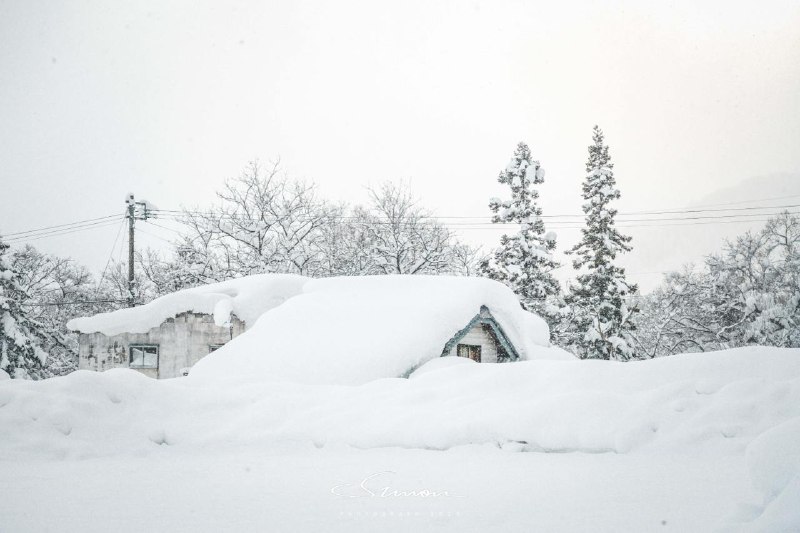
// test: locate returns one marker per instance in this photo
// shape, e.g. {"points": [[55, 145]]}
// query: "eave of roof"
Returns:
{"points": [[484, 317]]}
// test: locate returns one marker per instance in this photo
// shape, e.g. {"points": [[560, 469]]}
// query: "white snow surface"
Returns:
{"points": [[248, 298], [696, 442], [351, 330], [773, 461], [683, 432]]}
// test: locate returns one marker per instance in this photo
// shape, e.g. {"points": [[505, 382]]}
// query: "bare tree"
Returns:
{"points": [[405, 238], [465, 260], [263, 223], [346, 244]]}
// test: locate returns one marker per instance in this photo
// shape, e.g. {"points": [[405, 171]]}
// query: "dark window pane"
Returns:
{"points": [[143, 356]]}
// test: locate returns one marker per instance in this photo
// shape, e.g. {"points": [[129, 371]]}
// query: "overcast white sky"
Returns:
{"points": [[169, 99]]}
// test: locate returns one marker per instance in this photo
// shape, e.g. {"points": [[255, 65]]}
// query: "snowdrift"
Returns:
{"points": [[351, 330], [724, 398], [742, 403], [773, 461], [247, 298]]}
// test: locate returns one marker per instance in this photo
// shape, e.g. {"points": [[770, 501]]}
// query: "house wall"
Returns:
{"points": [[182, 341], [479, 336]]}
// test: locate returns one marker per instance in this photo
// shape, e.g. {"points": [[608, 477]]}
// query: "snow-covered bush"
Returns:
{"points": [[748, 294], [24, 341]]}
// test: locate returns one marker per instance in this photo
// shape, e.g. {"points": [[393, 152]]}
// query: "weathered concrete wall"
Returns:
{"points": [[479, 335], [182, 341]]}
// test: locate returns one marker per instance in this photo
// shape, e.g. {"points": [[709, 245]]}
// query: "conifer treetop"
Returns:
{"points": [[601, 241], [524, 260], [599, 296]]}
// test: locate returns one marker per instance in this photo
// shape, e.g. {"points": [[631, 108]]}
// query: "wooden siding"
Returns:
{"points": [[477, 335]]}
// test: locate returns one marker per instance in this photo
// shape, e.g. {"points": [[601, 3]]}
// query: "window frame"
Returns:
{"points": [[138, 345], [468, 348]]}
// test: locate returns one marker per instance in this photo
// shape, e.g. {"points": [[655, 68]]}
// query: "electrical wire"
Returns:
{"points": [[110, 257], [60, 232], [467, 223], [60, 225], [45, 304], [172, 213], [640, 222]]}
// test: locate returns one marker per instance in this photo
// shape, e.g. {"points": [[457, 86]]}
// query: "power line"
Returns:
{"points": [[753, 200], [475, 223], [669, 212], [60, 232], [702, 217], [110, 257], [501, 227], [155, 236], [177, 215], [173, 213], [164, 227], [560, 223], [58, 304], [60, 225]]}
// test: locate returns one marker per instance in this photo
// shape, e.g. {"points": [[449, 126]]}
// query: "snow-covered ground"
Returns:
{"points": [[289, 489], [687, 443]]}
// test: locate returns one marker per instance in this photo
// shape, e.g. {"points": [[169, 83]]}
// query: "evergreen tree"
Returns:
{"points": [[524, 260], [600, 313], [55, 290], [21, 338]]}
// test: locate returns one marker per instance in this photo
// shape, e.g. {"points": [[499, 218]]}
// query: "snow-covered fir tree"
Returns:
{"points": [[21, 338], [601, 316], [524, 260]]}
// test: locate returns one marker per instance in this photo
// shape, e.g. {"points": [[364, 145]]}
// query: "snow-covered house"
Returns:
{"points": [[165, 337], [167, 350], [343, 330], [482, 340], [352, 330]]}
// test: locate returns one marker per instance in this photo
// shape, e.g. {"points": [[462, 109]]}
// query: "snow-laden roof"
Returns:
{"points": [[351, 330], [247, 298]]}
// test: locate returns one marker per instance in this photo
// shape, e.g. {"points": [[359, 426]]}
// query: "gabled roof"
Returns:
{"points": [[484, 317]]}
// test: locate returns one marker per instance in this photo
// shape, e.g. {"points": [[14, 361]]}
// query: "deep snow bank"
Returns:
{"points": [[720, 401], [744, 404], [247, 298], [773, 461], [352, 330]]}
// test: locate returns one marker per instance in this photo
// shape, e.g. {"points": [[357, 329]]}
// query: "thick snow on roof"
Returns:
{"points": [[351, 330], [247, 298]]}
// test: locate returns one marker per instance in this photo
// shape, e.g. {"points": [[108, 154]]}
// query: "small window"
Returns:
{"points": [[214, 347], [143, 355], [470, 351]]}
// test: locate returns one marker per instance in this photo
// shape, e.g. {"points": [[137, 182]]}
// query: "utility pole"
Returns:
{"points": [[136, 210]]}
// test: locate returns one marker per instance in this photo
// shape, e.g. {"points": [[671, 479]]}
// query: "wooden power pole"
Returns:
{"points": [[136, 210]]}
